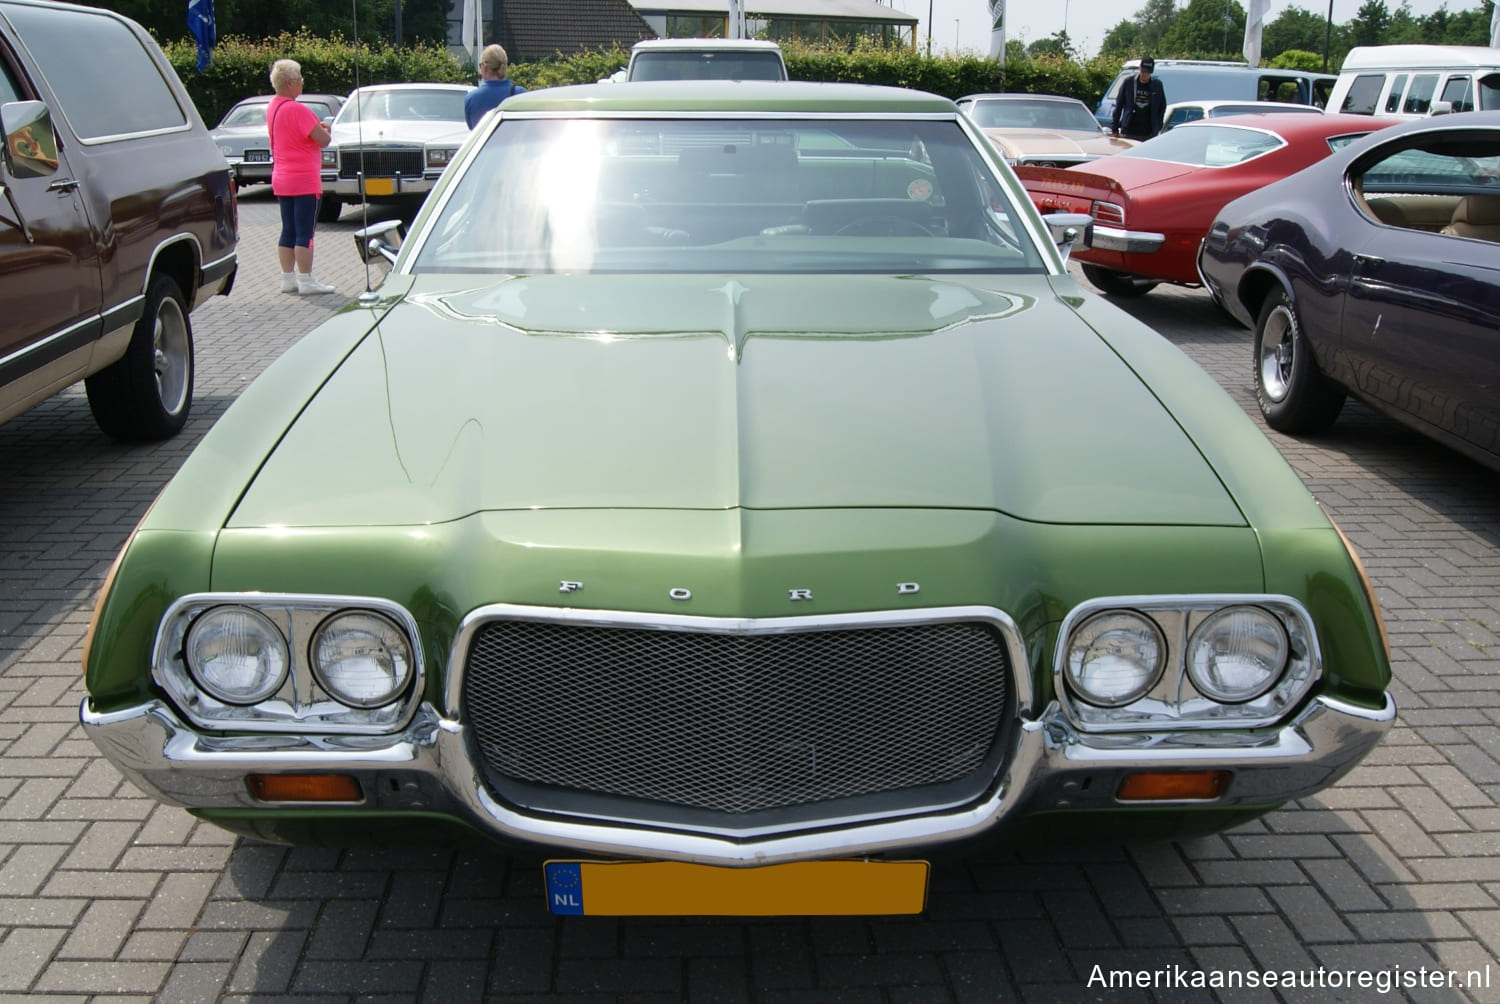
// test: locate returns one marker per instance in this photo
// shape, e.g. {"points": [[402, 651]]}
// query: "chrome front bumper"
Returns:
{"points": [[426, 767], [402, 186]]}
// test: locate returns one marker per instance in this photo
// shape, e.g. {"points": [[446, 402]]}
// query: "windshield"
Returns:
{"points": [[404, 104], [245, 116], [699, 195], [1207, 145], [1022, 114]]}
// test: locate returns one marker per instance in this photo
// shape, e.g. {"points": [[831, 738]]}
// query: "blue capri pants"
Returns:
{"points": [[299, 215]]}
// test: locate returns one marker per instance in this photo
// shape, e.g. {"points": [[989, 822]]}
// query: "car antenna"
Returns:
{"points": [[359, 131]]}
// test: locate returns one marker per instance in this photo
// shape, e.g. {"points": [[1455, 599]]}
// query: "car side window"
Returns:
{"points": [[9, 89], [1459, 93], [1393, 100], [1364, 92], [138, 98], [1419, 94]]}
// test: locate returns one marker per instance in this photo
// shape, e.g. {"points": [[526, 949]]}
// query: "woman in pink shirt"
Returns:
{"points": [[297, 142]]}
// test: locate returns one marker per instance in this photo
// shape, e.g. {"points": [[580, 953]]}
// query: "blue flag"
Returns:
{"points": [[201, 24]]}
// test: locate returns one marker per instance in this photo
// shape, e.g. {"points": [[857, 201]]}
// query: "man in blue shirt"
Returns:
{"points": [[493, 86]]}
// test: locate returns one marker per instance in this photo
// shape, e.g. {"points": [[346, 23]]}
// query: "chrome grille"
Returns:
{"points": [[734, 723], [381, 163]]}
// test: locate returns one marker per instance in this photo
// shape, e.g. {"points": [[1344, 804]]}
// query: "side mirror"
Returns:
{"points": [[1442, 108], [1070, 230], [30, 140], [380, 240]]}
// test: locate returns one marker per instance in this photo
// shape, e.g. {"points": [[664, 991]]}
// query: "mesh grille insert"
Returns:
{"points": [[734, 723]]}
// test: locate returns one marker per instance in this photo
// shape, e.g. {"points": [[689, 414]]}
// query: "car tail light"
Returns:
{"points": [[1108, 212]]}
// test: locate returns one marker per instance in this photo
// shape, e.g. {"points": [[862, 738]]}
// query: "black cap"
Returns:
{"points": [[1148, 64]]}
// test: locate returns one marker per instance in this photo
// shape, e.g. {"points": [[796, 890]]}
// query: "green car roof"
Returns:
{"points": [[729, 96]]}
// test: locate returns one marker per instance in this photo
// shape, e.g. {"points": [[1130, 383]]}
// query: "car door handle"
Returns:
{"points": [[63, 185], [1367, 259]]}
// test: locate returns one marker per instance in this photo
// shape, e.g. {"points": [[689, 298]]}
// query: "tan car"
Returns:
{"points": [[1042, 130]]}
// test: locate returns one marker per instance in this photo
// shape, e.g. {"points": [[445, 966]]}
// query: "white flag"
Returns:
{"points": [[1254, 21], [472, 29], [997, 30], [1495, 28]]}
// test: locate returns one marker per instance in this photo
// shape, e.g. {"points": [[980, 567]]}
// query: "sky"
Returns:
{"points": [[965, 24]]}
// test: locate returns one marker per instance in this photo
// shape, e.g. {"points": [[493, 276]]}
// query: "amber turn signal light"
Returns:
{"points": [[304, 788], [1173, 786]]}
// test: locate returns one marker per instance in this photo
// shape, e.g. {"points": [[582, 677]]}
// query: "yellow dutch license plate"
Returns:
{"points": [[680, 889], [380, 186]]}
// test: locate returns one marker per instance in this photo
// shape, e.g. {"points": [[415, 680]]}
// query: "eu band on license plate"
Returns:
{"points": [[681, 889]]}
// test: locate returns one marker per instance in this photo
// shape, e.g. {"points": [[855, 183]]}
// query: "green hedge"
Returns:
{"points": [[241, 67]]}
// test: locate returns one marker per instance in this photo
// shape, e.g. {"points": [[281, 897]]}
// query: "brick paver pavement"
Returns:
{"points": [[104, 894]]}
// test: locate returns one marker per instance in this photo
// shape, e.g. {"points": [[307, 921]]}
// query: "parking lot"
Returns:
{"points": [[1389, 880]]}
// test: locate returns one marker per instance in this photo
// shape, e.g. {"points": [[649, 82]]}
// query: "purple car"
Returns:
{"points": [[1375, 272]]}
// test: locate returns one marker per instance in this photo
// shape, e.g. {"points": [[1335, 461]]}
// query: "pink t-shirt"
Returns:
{"points": [[296, 161]]}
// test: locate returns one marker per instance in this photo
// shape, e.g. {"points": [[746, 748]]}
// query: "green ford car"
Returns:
{"points": [[728, 491]]}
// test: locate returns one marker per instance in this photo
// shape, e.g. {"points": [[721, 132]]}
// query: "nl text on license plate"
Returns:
{"points": [[681, 889]]}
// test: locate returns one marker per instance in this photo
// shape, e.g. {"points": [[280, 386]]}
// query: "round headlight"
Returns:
{"points": [[1237, 654], [362, 659], [236, 654], [1114, 658]]}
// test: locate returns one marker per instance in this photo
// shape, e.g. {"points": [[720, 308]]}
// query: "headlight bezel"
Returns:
{"points": [[1175, 703], [301, 704]]}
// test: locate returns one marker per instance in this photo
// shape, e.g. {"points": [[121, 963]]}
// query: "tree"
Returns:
{"points": [[1370, 23], [1294, 28], [1207, 27], [1056, 46], [1403, 27], [1155, 19], [1124, 39]]}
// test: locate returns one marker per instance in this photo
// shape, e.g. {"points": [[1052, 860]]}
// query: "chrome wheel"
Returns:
{"points": [[172, 354], [1278, 347]]}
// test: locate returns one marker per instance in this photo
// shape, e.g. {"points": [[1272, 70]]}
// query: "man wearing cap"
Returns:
{"points": [[1141, 103]]}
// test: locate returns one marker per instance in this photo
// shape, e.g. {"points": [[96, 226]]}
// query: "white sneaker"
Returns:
{"points": [[289, 282], [308, 286]]}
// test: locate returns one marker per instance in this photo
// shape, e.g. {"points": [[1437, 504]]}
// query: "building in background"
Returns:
{"points": [[538, 29], [830, 22]]}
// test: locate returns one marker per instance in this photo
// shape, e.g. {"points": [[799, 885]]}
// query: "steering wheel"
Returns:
{"points": [[883, 226]]}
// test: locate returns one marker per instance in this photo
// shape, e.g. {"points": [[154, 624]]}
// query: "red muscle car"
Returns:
{"points": [[1152, 204]]}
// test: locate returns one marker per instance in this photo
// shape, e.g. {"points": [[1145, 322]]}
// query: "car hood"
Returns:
{"points": [[376, 131], [764, 392]]}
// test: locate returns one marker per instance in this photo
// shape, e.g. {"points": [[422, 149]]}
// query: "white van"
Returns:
{"points": [[1412, 81], [1202, 79]]}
